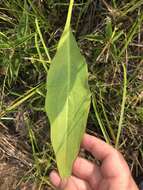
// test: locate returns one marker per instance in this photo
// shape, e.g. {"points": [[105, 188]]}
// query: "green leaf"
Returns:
{"points": [[22, 29], [67, 101], [108, 28], [22, 40]]}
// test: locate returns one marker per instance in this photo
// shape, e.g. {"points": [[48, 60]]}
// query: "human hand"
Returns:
{"points": [[113, 174]]}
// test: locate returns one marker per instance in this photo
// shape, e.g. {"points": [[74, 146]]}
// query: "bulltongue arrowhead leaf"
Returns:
{"points": [[67, 101]]}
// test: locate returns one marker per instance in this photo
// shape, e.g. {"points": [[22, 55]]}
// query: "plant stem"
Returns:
{"points": [[69, 14], [122, 107], [42, 40], [102, 127]]}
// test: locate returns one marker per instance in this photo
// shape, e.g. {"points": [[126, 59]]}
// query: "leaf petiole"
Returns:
{"points": [[68, 21]]}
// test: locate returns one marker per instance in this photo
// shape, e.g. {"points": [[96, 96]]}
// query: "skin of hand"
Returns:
{"points": [[113, 174]]}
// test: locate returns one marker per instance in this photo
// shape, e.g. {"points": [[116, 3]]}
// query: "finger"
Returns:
{"points": [[72, 183], [88, 171], [116, 164], [55, 179], [98, 148], [113, 163]]}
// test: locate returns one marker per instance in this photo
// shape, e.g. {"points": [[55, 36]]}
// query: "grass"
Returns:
{"points": [[110, 35]]}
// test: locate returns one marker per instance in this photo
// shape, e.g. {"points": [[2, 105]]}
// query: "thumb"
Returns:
{"points": [[71, 183]]}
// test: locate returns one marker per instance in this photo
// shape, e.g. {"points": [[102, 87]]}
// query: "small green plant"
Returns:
{"points": [[68, 99]]}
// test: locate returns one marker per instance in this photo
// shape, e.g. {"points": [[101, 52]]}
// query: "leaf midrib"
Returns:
{"points": [[68, 87]]}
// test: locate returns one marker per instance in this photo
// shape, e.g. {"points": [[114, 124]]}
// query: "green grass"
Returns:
{"points": [[110, 36]]}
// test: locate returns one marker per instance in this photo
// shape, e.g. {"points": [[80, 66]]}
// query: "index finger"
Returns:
{"points": [[98, 148]]}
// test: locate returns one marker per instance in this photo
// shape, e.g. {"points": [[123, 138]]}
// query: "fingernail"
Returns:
{"points": [[55, 179]]}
